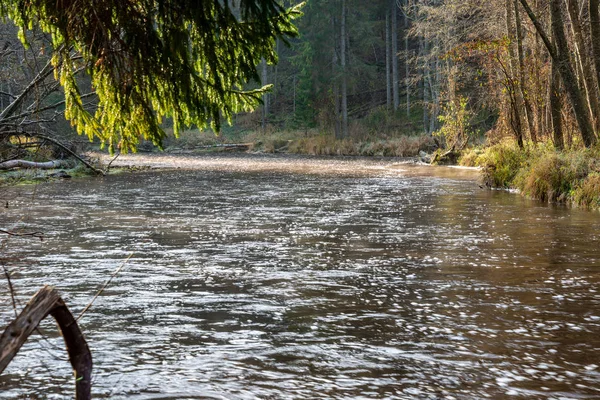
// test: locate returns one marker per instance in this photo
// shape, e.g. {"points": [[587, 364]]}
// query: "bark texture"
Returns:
{"points": [[31, 164]]}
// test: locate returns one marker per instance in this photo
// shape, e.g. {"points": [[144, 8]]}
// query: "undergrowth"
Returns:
{"points": [[539, 171], [310, 142]]}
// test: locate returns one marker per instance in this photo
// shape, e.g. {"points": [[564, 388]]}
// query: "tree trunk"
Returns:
{"points": [[585, 62], [344, 75], [522, 92], [555, 108], [540, 87], [265, 108], [275, 75], [388, 62], [436, 96], [406, 64], [568, 76], [513, 91], [395, 86], [595, 33], [336, 86], [48, 302], [559, 51], [426, 89]]}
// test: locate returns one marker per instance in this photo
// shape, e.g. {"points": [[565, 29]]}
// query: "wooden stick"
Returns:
{"points": [[46, 302]]}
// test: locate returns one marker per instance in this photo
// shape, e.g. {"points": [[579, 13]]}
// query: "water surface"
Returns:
{"points": [[331, 279]]}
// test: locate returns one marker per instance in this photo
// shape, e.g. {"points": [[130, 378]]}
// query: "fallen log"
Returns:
{"points": [[48, 302], [241, 146], [31, 164]]}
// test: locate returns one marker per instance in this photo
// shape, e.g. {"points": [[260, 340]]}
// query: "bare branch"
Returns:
{"points": [[44, 73], [39, 235], [11, 289], [103, 287]]}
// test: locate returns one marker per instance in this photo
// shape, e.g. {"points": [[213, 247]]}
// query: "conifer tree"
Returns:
{"points": [[148, 60]]}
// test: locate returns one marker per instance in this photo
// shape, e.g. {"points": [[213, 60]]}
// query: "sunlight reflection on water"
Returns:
{"points": [[272, 284]]}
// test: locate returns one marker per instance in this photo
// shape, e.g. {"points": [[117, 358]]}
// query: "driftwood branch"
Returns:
{"points": [[31, 164], [71, 152], [48, 302], [39, 235]]}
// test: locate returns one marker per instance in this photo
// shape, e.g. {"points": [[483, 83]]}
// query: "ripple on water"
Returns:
{"points": [[278, 285]]}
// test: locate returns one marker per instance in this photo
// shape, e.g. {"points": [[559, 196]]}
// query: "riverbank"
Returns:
{"points": [[307, 142], [540, 172], [290, 163], [26, 176]]}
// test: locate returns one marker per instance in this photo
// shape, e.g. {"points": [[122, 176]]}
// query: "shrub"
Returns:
{"points": [[470, 157], [587, 192], [546, 179], [501, 163]]}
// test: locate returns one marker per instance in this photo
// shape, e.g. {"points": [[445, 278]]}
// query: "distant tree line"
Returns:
{"points": [[528, 69]]}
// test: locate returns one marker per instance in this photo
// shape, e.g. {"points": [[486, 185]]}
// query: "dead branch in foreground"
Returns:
{"points": [[46, 302]]}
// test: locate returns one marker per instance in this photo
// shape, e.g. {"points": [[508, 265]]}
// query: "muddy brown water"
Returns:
{"points": [[255, 277]]}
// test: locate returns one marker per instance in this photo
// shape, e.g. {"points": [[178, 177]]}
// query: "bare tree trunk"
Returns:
{"points": [[336, 86], [275, 75], [388, 61], [540, 105], [406, 64], [265, 108], [434, 79], [559, 50], [595, 33], [425, 79], [568, 77], [436, 96], [522, 92], [294, 94], [585, 62], [513, 90], [344, 75], [555, 107], [395, 86]]}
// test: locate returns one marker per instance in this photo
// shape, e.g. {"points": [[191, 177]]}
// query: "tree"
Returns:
{"points": [[154, 59], [559, 51]]}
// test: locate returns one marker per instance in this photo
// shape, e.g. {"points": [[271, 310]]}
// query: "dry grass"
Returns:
{"points": [[587, 193], [540, 172], [405, 146]]}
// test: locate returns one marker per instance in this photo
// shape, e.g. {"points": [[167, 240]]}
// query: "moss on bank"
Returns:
{"points": [[35, 176], [540, 172]]}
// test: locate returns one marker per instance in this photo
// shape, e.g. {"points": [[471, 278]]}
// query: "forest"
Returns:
{"points": [[321, 199], [384, 78]]}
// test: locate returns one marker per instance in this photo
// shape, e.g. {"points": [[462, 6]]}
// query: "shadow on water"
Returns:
{"points": [[276, 284]]}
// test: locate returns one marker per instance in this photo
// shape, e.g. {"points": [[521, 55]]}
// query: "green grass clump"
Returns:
{"points": [[587, 193], [501, 163], [539, 171], [470, 157]]}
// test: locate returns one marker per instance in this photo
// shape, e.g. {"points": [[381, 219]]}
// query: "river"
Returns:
{"points": [[298, 278]]}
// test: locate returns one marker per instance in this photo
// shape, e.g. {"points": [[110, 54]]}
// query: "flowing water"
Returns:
{"points": [[307, 279]]}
